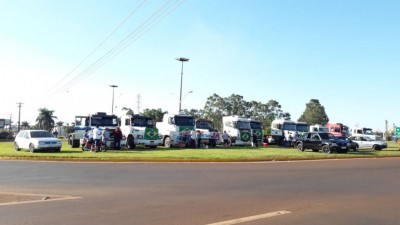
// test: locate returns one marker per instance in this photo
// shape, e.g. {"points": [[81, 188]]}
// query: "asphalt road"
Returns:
{"points": [[356, 191]]}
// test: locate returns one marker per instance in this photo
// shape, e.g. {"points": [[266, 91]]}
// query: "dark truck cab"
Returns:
{"points": [[326, 142]]}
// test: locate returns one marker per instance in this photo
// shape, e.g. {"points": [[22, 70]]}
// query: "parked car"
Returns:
{"points": [[353, 145], [324, 141], [36, 140], [365, 142]]}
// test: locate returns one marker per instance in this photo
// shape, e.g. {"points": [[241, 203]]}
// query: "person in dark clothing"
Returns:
{"points": [[117, 138], [255, 141]]}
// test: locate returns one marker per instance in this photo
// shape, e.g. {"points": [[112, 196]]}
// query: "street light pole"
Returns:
{"points": [[180, 95], [112, 107]]}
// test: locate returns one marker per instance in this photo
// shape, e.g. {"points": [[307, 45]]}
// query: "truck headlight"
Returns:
{"points": [[140, 136]]}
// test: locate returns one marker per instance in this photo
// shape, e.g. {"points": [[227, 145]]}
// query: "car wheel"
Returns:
{"points": [[16, 146], [130, 142], [300, 147], [377, 147], [326, 149], [31, 148], [356, 148], [167, 142]]}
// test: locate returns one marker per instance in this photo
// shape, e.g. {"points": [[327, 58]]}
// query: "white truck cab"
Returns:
{"points": [[238, 129], [363, 131], [140, 130], [174, 127], [282, 130]]}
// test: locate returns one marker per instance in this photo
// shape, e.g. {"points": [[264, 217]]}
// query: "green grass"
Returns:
{"points": [[270, 153]]}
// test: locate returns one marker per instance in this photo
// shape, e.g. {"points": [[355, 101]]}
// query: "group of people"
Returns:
{"points": [[97, 135]]}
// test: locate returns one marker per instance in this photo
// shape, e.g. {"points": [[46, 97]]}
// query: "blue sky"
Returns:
{"points": [[346, 54]]}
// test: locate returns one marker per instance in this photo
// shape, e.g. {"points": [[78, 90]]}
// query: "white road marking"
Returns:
{"points": [[251, 218], [48, 198]]}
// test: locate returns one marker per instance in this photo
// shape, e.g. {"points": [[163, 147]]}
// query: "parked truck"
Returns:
{"points": [[140, 130], [209, 135], [337, 129], [257, 129], [175, 126], [238, 129], [282, 130], [318, 128], [363, 131], [89, 122]]}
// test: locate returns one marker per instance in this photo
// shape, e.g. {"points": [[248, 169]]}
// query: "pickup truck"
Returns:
{"points": [[324, 141]]}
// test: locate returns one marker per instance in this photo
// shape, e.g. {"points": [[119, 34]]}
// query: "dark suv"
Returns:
{"points": [[326, 142]]}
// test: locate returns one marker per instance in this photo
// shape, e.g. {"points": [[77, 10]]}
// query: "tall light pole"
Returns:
{"points": [[180, 96], [112, 107]]}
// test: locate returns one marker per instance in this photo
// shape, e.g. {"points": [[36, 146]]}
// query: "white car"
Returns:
{"points": [[365, 142], [36, 140]]}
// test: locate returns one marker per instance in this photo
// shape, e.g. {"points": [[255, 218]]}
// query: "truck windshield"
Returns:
{"points": [[289, 126], [242, 125], [143, 122], [368, 131], [255, 125], [204, 125], [103, 121], [302, 127], [184, 121]]}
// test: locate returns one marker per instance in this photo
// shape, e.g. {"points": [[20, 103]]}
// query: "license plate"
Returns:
{"points": [[343, 147], [152, 142]]}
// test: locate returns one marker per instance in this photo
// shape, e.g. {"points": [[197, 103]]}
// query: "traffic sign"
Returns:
{"points": [[397, 131]]}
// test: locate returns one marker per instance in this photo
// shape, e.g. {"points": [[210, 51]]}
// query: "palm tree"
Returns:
{"points": [[45, 120], [25, 125], [129, 111]]}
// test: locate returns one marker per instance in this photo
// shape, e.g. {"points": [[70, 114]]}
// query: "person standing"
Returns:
{"points": [[105, 136], [255, 141], [117, 138], [198, 137], [97, 137], [225, 137]]}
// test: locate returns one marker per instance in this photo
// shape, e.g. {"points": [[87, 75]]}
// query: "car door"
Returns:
{"points": [[24, 139], [363, 143], [315, 142]]}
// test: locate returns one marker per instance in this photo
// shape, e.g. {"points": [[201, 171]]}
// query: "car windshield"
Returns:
{"points": [[40, 134]]}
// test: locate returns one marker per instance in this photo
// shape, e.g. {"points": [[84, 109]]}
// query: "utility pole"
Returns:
{"points": [[138, 103], [19, 115], [9, 126]]}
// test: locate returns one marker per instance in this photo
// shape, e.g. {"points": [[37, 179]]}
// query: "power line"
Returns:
{"points": [[98, 46], [162, 12]]}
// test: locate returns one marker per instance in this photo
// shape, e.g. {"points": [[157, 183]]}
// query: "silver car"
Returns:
{"points": [[365, 142], [36, 140]]}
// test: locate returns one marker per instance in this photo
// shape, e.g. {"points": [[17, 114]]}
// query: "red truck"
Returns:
{"points": [[338, 129]]}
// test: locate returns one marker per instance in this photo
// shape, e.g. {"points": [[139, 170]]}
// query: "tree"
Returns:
{"points": [[129, 111], [45, 120], [156, 114], [314, 113], [25, 125]]}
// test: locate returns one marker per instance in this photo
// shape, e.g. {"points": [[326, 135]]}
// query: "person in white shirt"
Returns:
{"points": [[97, 136], [105, 136]]}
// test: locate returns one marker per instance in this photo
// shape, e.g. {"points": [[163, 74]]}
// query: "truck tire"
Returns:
{"points": [[75, 143], [326, 149], [130, 142], [300, 147], [167, 142]]}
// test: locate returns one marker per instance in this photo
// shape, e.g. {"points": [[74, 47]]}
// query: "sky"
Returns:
{"points": [[64, 55]]}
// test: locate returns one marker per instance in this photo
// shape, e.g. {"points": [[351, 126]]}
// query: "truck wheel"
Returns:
{"points": [[300, 147], [326, 149], [130, 142], [167, 142]]}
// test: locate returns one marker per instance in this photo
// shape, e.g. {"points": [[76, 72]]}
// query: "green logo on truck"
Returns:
{"points": [[151, 134], [245, 135]]}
